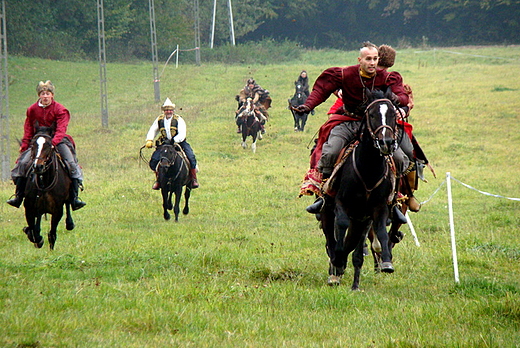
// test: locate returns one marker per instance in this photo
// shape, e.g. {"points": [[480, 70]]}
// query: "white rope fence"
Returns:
{"points": [[451, 219]]}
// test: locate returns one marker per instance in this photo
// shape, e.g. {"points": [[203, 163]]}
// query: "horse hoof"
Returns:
{"points": [[70, 227], [333, 280], [167, 217], [186, 211], [39, 244], [387, 267], [396, 237]]}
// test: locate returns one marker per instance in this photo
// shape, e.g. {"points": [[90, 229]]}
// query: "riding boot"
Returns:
{"points": [[193, 176], [16, 201], [76, 203], [319, 203], [397, 215], [316, 207], [413, 203], [156, 185]]}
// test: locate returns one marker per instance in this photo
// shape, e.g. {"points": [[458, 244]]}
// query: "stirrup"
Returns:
{"points": [[77, 204], [15, 202]]}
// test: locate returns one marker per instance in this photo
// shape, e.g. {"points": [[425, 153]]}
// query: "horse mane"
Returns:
{"points": [[44, 131]]}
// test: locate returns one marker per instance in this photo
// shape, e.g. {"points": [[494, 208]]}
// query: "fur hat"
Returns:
{"points": [[168, 105], [386, 56], [45, 86], [251, 81]]}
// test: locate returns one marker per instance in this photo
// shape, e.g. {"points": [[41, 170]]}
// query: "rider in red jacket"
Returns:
{"points": [[46, 112]]}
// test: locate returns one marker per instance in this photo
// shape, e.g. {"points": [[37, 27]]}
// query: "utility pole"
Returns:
{"points": [[155, 59], [102, 64], [4, 98], [231, 29], [197, 32]]}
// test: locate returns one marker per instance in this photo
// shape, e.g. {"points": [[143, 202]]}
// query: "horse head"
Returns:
{"points": [[168, 153], [381, 121], [299, 95], [247, 109], [42, 149]]}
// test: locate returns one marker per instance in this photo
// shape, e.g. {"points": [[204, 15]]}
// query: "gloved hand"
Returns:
{"points": [[394, 99], [302, 109], [149, 143]]}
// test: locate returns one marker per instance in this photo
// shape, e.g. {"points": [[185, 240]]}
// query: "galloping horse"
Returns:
{"points": [[173, 175], [47, 189], [299, 97], [248, 121], [365, 185]]}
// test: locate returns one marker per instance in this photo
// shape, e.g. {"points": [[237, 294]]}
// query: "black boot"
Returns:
{"points": [[75, 202], [316, 207], [398, 215], [19, 194]]}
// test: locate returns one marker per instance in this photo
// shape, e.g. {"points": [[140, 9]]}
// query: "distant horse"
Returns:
{"points": [[173, 175], [47, 189], [299, 97], [249, 123], [365, 185]]}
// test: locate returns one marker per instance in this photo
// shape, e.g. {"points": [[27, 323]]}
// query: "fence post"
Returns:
{"points": [[452, 228]]}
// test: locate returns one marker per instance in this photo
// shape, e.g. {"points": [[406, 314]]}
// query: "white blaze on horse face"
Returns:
{"points": [[383, 109], [40, 141]]}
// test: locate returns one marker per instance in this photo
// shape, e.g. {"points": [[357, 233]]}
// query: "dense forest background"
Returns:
{"points": [[68, 29]]}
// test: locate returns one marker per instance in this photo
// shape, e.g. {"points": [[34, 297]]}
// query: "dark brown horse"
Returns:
{"points": [[173, 176], [249, 123], [299, 97], [365, 184], [47, 189]]}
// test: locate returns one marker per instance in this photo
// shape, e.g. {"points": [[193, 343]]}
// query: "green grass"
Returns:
{"points": [[247, 267]]}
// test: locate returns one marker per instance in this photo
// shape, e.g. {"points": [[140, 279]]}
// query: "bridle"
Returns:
{"points": [[165, 162], [373, 133], [377, 145], [49, 161]]}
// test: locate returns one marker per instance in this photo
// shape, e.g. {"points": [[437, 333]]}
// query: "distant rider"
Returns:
{"points": [[172, 127]]}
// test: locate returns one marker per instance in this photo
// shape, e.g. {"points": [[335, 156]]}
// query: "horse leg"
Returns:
{"points": [[382, 235], [176, 206], [69, 222], [55, 220], [187, 194], [375, 248], [303, 121], [358, 258], [327, 225], [166, 203], [32, 230], [253, 145], [244, 136], [296, 122], [341, 228]]}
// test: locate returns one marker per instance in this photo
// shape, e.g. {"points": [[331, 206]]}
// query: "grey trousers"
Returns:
{"points": [[67, 152], [345, 132]]}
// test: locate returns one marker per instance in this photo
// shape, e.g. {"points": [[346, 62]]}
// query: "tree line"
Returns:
{"points": [[68, 29]]}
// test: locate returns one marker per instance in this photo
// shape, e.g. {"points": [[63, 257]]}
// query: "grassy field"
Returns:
{"points": [[247, 267]]}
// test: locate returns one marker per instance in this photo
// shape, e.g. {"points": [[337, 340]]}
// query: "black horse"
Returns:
{"points": [[173, 175], [365, 185], [299, 97], [249, 123], [47, 189]]}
